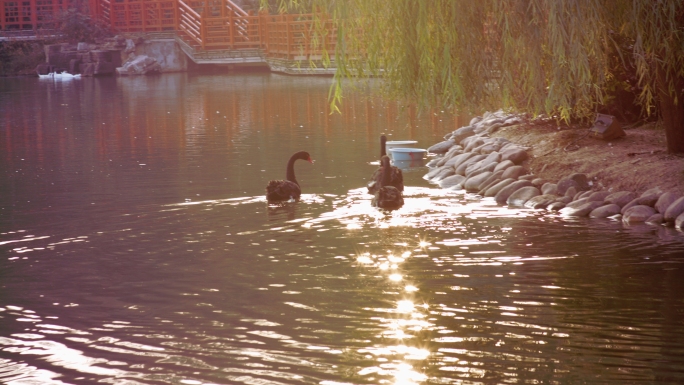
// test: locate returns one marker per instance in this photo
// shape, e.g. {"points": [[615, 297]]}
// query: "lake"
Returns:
{"points": [[137, 247]]}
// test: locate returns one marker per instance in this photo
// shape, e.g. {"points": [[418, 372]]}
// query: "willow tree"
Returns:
{"points": [[540, 56]]}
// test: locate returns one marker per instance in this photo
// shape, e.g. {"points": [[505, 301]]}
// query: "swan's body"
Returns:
{"points": [[387, 196], [396, 177], [288, 189]]}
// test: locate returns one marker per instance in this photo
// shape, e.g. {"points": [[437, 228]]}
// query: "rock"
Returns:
{"points": [[620, 198], [493, 157], [577, 203], [139, 65], [570, 192], [432, 173], [472, 184], [474, 144], [638, 213], [605, 211], [674, 210], [460, 170], [564, 199], [494, 178], [502, 196], [441, 147], [540, 201], [522, 195], [483, 164], [653, 191], [649, 200], [492, 191], [565, 184], [442, 173], [452, 181], [538, 183], [665, 201], [515, 154], [632, 203], [435, 163], [655, 219], [458, 159], [679, 221], [583, 194], [549, 188], [462, 133], [598, 196], [529, 177], [514, 172], [555, 206], [503, 165], [582, 210], [581, 180]]}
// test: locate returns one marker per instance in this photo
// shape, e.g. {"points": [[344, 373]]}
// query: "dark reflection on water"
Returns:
{"points": [[137, 248]]}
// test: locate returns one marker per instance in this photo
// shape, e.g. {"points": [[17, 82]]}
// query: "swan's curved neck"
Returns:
{"points": [[383, 151], [290, 175], [386, 173]]}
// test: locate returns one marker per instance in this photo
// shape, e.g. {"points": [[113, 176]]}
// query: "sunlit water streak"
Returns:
{"points": [[146, 253]]}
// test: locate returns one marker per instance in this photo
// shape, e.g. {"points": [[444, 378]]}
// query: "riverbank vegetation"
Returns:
{"points": [[566, 59]]}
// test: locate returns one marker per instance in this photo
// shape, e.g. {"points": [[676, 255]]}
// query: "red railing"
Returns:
{"points": [[206, 24]]}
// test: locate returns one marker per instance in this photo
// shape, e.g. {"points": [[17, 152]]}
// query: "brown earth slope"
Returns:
{"points": [[635, 162]]}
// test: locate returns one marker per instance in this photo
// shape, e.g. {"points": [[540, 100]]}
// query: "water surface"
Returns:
{"points": [[136, 247]]}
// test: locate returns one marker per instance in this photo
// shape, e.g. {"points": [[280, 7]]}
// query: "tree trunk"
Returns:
{"points": [[672, 111]]}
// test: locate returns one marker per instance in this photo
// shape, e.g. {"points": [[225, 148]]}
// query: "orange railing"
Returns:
{"points": [[206, 24], [33, 15], [139, 15]]}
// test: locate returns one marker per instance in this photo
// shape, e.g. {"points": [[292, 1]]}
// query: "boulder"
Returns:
{"points": [[515, 154], [502, 196], [570, 192], [674, 210], [679, 221], [522, 195], [462, 133], [493, 190], [665, 201], [460, 170], [538, 183], [514, 172], [432, 173], [555, 206], [605, 211], [452, 181], [540, 201], [655, 219], [549, 188], [458, 159], [598, 196], [649, 200], [579, 181], [441, 147], [632, 203], [620, 198], [443, 173], [472, 184], [581, 210], [638, 213], [503, 165], [139, 65], [494, 178], [472, 144]]}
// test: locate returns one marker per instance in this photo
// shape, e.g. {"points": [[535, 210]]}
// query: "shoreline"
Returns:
{"points": [[540, 165]]}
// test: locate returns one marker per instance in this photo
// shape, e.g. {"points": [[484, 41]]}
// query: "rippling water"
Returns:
{"points": [[136, 247]]}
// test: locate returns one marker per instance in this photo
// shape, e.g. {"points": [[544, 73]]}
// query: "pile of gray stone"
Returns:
{"points": [[470, 159]]}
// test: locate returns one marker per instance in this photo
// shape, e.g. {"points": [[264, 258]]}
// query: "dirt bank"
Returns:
{"points": [[635, 162]]}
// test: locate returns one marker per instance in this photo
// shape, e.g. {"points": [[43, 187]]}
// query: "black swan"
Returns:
{"points": [[284, 190], [387, 196], [396, 177]]}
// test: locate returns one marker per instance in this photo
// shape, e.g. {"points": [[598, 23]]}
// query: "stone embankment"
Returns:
{"points": [[470, 159]]}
